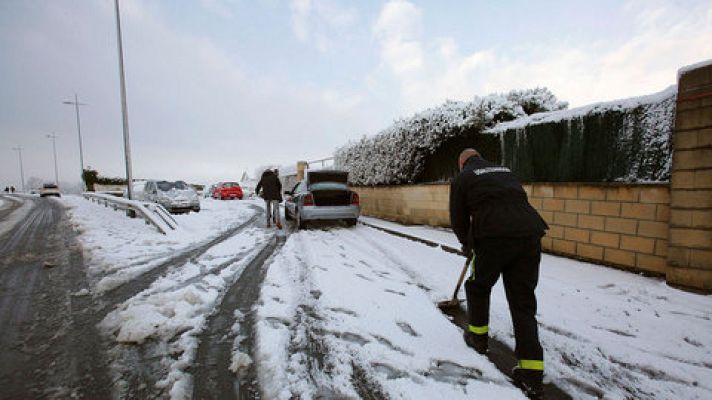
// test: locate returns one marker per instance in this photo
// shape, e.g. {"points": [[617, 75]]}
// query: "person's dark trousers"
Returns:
{"points": [[517, 260]]}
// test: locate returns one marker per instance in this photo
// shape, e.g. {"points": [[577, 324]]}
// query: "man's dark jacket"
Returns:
{"points": [[487, 201], [271, 187]]}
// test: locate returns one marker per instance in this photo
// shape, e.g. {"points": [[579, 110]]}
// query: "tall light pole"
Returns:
{"points": [[124, 110], [54, 149], [76, 105], [22, 173]]}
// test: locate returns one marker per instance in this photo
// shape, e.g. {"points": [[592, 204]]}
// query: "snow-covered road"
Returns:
{"points": [[350, 313]]}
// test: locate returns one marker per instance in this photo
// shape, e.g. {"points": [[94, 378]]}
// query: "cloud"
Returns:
{"points": [[317, 22], [221, 8], [666, 35]]}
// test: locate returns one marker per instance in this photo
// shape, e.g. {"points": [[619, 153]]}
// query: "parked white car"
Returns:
{"points": [[139, 187], [176, 197]]}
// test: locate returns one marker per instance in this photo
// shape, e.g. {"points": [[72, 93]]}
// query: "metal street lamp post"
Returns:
{"points": [[124, 110], [54, 149], [76, 105], [22, 174]]}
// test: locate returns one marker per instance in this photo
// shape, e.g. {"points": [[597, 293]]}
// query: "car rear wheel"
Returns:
{"points": [[351, 221]]}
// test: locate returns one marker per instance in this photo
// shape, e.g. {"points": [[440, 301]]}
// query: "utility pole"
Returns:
{"points": [[54, 149], [76, 105], [22, 173], [124, 110]]}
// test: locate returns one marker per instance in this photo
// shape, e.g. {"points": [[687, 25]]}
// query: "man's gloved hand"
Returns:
{"points": [[466, 251]]}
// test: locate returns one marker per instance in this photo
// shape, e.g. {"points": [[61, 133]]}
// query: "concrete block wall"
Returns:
{"points": [[426, 204], [690, 252], [621, 225]]}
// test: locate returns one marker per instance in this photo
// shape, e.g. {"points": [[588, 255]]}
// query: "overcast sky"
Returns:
{"points": [[216, 87]]}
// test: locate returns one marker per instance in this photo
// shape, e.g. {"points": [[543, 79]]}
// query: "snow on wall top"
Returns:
{"points": [[397, 154], [596, 108], [702, 64]]}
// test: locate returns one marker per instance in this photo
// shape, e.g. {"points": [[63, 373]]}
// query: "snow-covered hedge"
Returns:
{"points": [[625, 140], [398, 153]]}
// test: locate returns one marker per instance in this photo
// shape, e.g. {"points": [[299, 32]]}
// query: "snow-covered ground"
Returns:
{"points": [[606, 332], [119, 248], [346, 312]]}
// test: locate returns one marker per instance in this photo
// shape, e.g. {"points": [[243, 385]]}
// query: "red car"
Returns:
{"points": [[227, 190]]}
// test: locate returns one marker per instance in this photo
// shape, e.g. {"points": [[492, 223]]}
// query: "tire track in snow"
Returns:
{"points": [[134, 286], [215, 374], [140, 367], [313, 341]]}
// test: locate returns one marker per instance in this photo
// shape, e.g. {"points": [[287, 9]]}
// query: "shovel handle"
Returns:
{"points": [[462, 277]]}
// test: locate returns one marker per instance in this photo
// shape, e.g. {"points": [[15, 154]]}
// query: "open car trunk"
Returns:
{"points": [[331, 197], [329, 187]]}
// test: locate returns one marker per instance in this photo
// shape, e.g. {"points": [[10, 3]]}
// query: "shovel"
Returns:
{"points": [[455, 302]]}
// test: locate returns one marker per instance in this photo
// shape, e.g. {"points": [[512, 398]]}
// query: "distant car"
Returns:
{"points": [[138, 190], [50, 189], [208, 191], [323, 195], [227, 190], [176, 197]]}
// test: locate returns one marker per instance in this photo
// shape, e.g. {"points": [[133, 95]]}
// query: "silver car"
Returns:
{"points": [[176, 197], [323, 195]]}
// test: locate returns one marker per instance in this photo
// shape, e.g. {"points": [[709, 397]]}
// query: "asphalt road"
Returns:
{"points": [[49, 347]]}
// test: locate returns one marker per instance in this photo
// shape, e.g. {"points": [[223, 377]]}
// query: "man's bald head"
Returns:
{"points": [[464, 155]]}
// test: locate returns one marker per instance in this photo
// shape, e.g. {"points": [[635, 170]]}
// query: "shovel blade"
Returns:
{"points": [[449, 304]]}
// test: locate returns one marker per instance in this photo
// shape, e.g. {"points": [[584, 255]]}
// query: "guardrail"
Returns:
{"points": [[152, 213]]}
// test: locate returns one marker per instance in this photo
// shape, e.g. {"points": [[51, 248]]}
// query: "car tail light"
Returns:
{"points": [[355, 199], [308, 199]]}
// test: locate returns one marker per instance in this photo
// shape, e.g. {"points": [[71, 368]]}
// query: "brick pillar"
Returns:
{"points": [[690, 246], [301, 166]]}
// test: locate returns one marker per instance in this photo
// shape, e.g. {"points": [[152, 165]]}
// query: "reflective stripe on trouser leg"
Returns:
{"points": [[537, 365], [479, 330]]}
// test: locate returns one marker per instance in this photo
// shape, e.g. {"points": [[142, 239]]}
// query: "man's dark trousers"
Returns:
{"points": [[517, 260]]}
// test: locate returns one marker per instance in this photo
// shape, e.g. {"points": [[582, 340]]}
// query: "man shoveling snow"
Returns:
{"points": [[491, 216]]}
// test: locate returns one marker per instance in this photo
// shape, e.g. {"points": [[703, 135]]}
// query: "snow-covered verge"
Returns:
{"points": [[173, 311], [358, 296], [398, 153], [117, 248]]}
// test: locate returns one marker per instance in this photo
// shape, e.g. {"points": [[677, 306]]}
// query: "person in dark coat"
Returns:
{"points": [[501, 231], [272, 194]]}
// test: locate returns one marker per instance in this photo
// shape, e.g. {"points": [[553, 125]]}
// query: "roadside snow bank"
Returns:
{"points": [[118, 248], [173, 311]]}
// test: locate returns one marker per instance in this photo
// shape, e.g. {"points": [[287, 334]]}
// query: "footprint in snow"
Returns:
{"points": [[395, 292], [405, 327], [364, 277], [344, 311], [389, 371]]}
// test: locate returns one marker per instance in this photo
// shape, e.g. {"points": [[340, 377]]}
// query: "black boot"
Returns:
{"points": [[530, 381], [477, 342]]}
